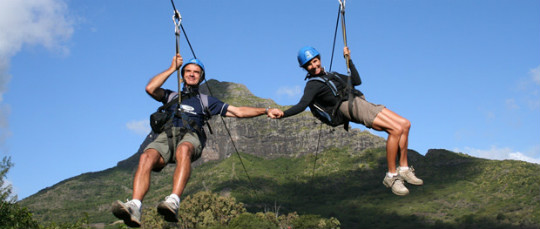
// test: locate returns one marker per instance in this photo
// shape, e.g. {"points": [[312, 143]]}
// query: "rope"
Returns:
{"points": [[189, 43], [234, 145], [177, 19], [316, 153], [210, 92], [335, 36], [344, 30], [347, 59]]}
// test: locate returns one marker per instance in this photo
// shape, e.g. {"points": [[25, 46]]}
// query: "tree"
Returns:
{"points": [[11, 214], [5, 189]]}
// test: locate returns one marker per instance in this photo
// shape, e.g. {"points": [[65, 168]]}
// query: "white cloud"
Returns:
{"points": [[522, 157], [289, 91], [535, 74], [4, 125], [528, 92], [33, 22], [29, 22], [496, 153], [141, 127], [511, 104]]}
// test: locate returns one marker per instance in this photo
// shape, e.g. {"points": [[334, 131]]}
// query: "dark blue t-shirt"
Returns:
{"points": [[192, 106]]}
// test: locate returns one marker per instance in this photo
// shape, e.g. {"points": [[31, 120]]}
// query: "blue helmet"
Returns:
{"points": [[305, 54], [198, 63]]}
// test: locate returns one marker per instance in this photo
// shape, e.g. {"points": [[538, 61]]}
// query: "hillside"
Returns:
{"points": [[344, 182]]}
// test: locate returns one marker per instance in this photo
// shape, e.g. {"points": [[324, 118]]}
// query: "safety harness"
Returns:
{"points": [[331, 115], [163, 119]]}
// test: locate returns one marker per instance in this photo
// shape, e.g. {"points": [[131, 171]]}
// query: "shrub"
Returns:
{"points": [[315, 221], [248, 220], [206, 209]]}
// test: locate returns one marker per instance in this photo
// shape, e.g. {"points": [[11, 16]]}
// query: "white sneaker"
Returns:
{"points": [[168, 209], [129, 212], [408, 175], [396, 183]]}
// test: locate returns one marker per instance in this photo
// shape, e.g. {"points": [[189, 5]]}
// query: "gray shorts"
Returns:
{"points": [[161, 144], [364, 112]]}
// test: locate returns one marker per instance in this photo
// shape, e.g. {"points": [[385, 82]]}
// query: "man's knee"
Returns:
{"points": [[184, 151], [396, 130], [149, 158], [406, 125]]}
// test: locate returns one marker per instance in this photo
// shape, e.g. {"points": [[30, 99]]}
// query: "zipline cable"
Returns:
{"points": [[189, 43], [316, 153], [177, 33], [335, 36]]}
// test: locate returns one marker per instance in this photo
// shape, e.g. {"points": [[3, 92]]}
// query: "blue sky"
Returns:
{"points": [[72, 73]]}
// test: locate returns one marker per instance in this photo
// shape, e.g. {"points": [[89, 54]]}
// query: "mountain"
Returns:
{"points": [[342, 178], [265, 137]]}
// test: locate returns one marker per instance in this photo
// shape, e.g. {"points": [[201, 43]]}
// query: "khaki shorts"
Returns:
{"points": [[161, 144], [364, 112]]}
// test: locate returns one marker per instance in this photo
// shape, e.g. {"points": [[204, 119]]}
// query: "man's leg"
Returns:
{"points": [[130, 211], [169, 207], [149, 160], [386, 121], [183, 167], [404, 171], [403, 144]]}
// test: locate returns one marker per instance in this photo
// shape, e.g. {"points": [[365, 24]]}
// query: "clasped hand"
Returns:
{"points": [[275, 113]]}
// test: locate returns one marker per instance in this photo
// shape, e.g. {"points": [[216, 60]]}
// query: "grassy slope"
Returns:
{"points": [[459, 191]]}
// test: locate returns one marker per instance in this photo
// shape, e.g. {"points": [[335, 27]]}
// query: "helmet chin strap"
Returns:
{"points": [[190, 88]]}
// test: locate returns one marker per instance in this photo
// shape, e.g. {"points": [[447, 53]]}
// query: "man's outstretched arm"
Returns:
{"points": [[248, 112]]}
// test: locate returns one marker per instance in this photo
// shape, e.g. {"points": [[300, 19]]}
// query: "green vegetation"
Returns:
{"points": [[459, 192], [14, 216]]}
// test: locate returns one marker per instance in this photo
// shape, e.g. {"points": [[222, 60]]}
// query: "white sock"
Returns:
{"points": [[405, 168], [389, 174], [138, 203], [175, 198]]}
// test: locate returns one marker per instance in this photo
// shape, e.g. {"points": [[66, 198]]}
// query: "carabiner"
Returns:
{"points": [[177, 19], [342, 5]]}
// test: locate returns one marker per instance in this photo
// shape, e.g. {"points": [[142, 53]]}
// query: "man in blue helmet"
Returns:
{"points": [[327, 91], [188, 134]]}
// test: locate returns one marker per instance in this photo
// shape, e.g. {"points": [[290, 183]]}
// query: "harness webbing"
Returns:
{"points": [[327, 82]]}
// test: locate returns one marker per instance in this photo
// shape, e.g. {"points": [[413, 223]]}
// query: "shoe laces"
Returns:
{"points": [[131, 205], [411, 169], [171, 200], [396, 179], [408, 172]]}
